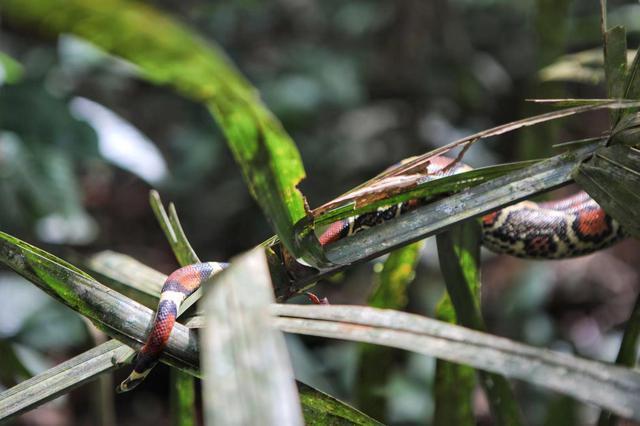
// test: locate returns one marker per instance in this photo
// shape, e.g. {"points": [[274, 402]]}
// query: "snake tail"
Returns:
{"points": [[177, 287]]}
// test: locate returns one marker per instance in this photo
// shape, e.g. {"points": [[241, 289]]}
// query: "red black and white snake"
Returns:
{"points": [[569, 227]]}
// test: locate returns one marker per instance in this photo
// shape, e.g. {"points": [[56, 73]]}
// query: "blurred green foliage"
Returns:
{"points": [[359, 85]]}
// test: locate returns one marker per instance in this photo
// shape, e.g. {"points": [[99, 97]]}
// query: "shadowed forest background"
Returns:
{"points": [[359, 85]]}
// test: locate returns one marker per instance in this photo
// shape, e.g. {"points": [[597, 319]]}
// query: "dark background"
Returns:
{"points": [[359, 85]]}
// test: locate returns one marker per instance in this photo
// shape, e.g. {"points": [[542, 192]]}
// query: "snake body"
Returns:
{"points": [[565, 228]]}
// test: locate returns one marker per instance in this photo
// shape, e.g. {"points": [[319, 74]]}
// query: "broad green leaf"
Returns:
{"points": [[61, 379], [167, 52], [319, 409], [248, 377], [459, 254], [611, 177], [10, 70]]}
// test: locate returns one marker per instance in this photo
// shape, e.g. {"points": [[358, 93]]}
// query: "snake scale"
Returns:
{"points": [[560, 229]]}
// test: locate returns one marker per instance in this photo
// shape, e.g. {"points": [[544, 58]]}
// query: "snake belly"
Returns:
{"points": [[560, 229]]}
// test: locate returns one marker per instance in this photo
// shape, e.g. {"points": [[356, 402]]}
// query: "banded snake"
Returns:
{"points": [[569, 227]]}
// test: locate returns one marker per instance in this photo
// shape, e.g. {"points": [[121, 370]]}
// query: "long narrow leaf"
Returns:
{"points": [[459, 254], [320, 409], [11, 71], [615, 61], [594, 382], [110, 311], [376, 362], [610, 387], [454, 383], [248, 376], [627, 355], [169, 53], [182, 385], [61, 379], [127, 275], [173, 232]]}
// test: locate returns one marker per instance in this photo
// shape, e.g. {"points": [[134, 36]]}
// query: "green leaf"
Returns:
{"points": [[182, 385], [615, 65], [453, 394], [632, 86], [627, 355], [459, 254], [170, 225], [248, 376], [167, 52], [394, 277], [376, 362], [454, 383], [182, 398], [319, 409], [611, 177], [615, 61], [632, 82], [13, 370], [11, 71]]}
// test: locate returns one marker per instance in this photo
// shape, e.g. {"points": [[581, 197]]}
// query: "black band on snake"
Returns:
{"points": [[569, 227]]}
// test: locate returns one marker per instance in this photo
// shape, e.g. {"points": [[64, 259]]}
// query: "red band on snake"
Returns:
{"points": [[569, 227]]}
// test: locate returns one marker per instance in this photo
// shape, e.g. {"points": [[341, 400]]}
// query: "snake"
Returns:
{"points": [[572, 226]]}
